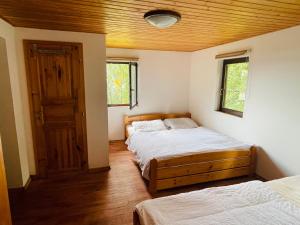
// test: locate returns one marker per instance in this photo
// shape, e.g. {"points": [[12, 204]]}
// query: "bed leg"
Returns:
{"points": [[253, 155], [153, 175]]}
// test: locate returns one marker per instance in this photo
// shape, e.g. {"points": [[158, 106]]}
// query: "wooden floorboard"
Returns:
{"points": [[104, 198]]}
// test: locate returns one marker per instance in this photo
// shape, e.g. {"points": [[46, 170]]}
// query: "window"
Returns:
{"points": [[121, 84], [234, 85]]}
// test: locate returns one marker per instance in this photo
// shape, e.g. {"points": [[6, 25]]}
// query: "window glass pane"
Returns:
{"points": [[235, 87], [117, 83]]}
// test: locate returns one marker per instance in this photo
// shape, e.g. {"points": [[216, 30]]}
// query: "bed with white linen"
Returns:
{"points": [[178, 157], [252, 203]]}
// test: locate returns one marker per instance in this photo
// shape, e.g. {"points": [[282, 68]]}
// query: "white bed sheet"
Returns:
{"points": [[251, 203], [288, 187], [170, 143]]}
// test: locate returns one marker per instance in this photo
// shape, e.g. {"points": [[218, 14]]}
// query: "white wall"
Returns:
{"points": [[95, 89], [15, 148], [163, 83], [7, 123], [272, 112]]}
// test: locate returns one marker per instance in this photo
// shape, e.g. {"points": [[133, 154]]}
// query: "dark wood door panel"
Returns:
{"points": [[56, 88], [63, 154], [56, 76], [59, 113]]}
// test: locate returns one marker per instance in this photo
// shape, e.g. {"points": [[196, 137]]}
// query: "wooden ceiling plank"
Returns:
{"points": [[280, 4], [158, 38], [167, 38], [143, 23], [205, 23], [57, 6], [233, 6], [141, 5], [23, 14], [216, 24]]}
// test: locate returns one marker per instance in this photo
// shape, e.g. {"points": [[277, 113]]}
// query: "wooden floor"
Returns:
{"points": [[106, 198]]}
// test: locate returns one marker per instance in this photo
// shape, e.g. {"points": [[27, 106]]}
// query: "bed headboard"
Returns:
{"points": [[152, 116]]}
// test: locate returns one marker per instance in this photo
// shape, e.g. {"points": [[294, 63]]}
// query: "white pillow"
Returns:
{"points": [[151, 125], [180, 123]]}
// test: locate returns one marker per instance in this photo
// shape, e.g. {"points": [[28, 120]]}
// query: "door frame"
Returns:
{"points": [[81, 103]]}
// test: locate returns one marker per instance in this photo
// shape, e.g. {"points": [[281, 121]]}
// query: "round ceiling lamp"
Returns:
{"points": [[162, 18]]}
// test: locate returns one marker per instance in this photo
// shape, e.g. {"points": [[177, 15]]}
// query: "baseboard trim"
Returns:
{"points": [[17, 193], [99, 169], [116, 141], [21, 189], [91, 170], [34, 177], [27, 183]]}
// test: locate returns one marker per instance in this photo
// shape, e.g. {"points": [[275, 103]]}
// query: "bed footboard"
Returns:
{"points": [[200, 168]]}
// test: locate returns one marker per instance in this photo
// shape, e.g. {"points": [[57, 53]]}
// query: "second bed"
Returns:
{"points": [[274, 202]]}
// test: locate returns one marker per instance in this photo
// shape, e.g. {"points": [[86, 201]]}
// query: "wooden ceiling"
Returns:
{"points": [[204, 23]]}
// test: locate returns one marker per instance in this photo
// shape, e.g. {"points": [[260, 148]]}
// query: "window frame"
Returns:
{"points": [[131, 106], [130, 80], [223, 85]]}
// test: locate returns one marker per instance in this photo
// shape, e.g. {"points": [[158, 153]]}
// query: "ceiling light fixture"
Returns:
{"points": [[162, 18]]}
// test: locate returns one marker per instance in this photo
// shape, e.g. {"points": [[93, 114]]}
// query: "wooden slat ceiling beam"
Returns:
{"points": [[205, 23]]}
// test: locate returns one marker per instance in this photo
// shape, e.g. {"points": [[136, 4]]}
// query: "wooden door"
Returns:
{"points": [[56, 92], [5, 218]]}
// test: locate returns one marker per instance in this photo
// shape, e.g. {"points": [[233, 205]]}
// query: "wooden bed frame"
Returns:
{"points": [[198, 167]]}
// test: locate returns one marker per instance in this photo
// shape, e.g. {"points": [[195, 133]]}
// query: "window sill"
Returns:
{"points": [[118, 105], [231, 113]]}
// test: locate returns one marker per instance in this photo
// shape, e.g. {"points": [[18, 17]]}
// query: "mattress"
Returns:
{"points": [[250, 203], [176, 142]]}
